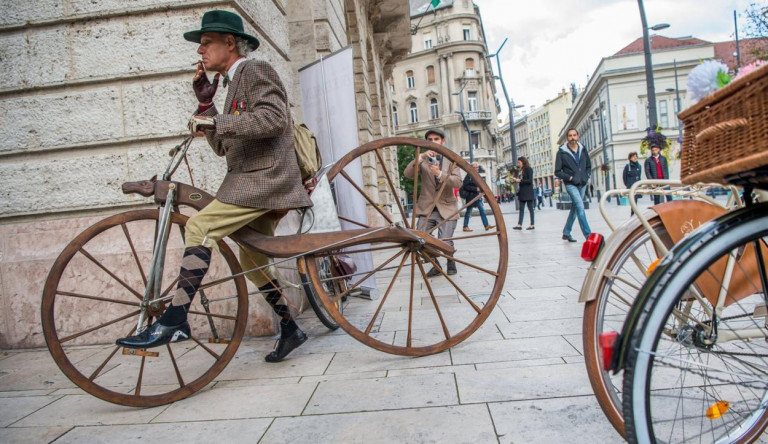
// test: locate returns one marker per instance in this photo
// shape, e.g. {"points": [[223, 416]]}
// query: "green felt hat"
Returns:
{"points": [[224, 22]]}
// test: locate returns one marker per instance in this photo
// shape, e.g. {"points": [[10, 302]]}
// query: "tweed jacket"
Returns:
{"points": [[447, 204], [255, 134]]}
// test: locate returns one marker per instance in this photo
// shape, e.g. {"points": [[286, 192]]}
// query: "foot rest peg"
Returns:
{"points": [[140, 352]]}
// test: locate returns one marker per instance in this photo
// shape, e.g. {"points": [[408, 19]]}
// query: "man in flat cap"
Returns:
{"points": [[434, 171], [255, 134]]}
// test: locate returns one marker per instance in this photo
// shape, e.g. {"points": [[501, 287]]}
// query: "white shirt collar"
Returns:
{"points": [[233, 68]]}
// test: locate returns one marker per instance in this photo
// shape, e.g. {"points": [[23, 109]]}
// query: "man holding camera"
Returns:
{"points": [[434, 171]]}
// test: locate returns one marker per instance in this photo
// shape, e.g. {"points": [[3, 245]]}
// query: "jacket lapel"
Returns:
{"points": [[233, 85]]}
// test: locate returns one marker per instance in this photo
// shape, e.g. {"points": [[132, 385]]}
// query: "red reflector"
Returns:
{"points": [[607, 341], [591, 247]]}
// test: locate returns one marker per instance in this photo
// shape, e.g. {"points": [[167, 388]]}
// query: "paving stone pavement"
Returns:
{"points": [[519, 379]]}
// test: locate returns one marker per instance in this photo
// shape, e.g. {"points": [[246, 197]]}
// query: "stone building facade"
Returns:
{"points": [[93, 94], [446, 72]]}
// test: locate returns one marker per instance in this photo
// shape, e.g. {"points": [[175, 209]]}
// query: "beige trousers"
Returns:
{"points": [[218, 220]]}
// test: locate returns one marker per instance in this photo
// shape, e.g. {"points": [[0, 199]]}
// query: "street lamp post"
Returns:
{"points": [[464, 119], [649, 65], [677, 108], [605, 151], [510, 103]]}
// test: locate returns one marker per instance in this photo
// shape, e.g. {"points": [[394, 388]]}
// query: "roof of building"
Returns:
{"points": [[660, 42], [419, 7]]}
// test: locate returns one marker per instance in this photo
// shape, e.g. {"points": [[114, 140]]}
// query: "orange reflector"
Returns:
{"points": [[653, 265], [607, 341], [717, 409]]}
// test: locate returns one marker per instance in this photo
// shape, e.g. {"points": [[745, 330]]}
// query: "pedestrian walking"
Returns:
{"points": [[538, 191], [525, 194], [469, 191], [632, 173], [573, 167], [656, 166]]}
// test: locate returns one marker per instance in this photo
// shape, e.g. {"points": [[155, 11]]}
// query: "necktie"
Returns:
{"points": [[226, 80]]}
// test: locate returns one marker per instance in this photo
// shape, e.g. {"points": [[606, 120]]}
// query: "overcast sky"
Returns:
{"points": [[555, 42]]}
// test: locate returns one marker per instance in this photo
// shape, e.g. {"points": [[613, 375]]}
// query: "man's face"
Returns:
{"points": [[215, 49], [434, 138], [655, 150], [572, 136]]}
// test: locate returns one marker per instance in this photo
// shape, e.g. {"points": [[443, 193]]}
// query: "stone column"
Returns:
{"points": [[445, 94], [451, 83]]}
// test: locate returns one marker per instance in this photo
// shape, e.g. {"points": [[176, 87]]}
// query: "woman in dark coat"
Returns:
{"points": [[525, 194]]}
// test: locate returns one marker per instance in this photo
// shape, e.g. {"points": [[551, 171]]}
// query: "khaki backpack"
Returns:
{"points": [[307, 152]]}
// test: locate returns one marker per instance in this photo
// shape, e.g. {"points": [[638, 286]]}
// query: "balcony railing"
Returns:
{"points": [[478, 115]]}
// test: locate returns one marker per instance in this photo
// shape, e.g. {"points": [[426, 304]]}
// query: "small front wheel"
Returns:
{"points": [[93, 295]]}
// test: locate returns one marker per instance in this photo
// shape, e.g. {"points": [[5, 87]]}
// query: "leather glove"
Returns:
{"points": [[201, 123], [205, 90]]}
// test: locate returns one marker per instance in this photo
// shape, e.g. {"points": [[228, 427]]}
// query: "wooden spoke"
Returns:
{"points": [[175, 366], [386, 293], [367, 197], [97, 298], [470, 236], [415, 184], [120, 281], [477, 309], [434, 301], [133, 252], [410, 299], [359, 224], [77, 335], [440, 193], [367, 275], [213, 315], [211, 352], [392, 187], [137, 392], [446, 219], [468, 264]]}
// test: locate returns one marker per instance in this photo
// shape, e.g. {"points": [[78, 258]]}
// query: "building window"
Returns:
{"points": [[409, 79], [467, 34], [663, 114], [391, 85], [414, 112], [428, 43], [475, 135], [472, 99], [433, 111], [469, 67], [430, 74], [394, 115]]}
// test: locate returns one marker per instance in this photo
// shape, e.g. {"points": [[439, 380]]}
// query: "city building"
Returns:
{"points": [[611, 113], [446, 74], [93, 94]]}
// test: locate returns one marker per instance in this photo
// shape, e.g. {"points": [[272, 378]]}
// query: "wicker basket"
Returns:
{"points": [[727, 132]]}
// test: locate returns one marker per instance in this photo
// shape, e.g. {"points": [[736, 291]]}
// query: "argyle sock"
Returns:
{"points": [[272, 294], [194, 265]]}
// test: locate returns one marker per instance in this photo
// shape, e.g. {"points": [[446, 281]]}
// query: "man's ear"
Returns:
{"points": [[229, 40]]}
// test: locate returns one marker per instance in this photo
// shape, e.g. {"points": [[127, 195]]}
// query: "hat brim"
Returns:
{"points": [[434, 131], [194, 36]]}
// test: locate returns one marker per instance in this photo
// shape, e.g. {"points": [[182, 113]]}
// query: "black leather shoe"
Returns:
{"points": [[434, 272], [156, 335], [451, 268], [569, 238], [286, 345]]}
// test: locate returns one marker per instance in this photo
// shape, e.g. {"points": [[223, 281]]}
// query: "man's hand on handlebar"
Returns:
{"points": [[198, 124]]}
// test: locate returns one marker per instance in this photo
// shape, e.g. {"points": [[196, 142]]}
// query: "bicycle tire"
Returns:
{"points": [[103, 269], [672, 322], [317, 306], [619, 279]]}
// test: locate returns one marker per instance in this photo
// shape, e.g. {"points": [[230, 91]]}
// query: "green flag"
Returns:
{"points": [[435, 3]]}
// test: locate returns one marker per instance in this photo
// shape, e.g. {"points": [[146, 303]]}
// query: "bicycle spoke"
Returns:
{"points": [[359, 224], [367, 275], [213, 315], [446, 219], [470, 236], [468, 264], [211, 352], [415, 184], [386, 293], [97, 298], [109, 358], [100, 265], [392, 187], [410, 299], [133, 252], [137, 392], [175, 366], [367, 197], [437, 266], [434, 302], [92, 329]]}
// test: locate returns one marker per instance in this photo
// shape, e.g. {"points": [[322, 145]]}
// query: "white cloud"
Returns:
{"points": [[555, 42]]}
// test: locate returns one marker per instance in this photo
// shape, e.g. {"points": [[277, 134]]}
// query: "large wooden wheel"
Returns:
{"points": [[93, 296], [390, 303]]}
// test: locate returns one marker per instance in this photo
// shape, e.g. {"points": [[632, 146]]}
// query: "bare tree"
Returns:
{"points": [[757, 20]]}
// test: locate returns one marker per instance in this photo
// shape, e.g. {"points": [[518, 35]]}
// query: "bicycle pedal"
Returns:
{"points": [[140, 352], [218, 341]]}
